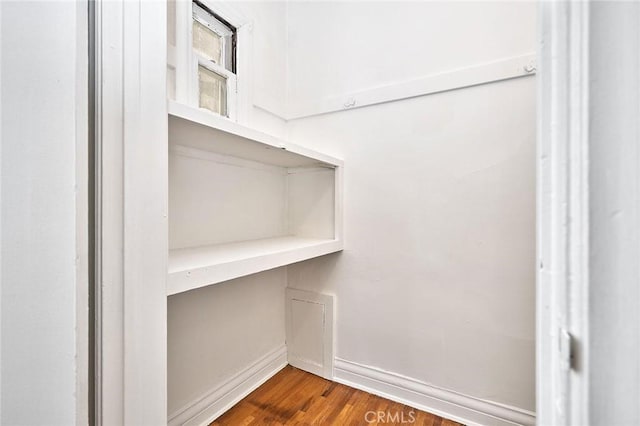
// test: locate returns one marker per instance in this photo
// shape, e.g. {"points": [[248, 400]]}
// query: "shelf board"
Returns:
{"points": [[201, 129], [192, 268]]}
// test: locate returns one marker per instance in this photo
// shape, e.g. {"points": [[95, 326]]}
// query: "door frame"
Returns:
{"points": [[562, 214], [131, 248]]}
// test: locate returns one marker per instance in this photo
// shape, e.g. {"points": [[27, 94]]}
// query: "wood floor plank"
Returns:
{"points": [[295, 397]]}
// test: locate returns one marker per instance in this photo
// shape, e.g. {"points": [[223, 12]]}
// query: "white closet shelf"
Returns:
{"points": [[306, 205], [198, 128], [195, 267]]}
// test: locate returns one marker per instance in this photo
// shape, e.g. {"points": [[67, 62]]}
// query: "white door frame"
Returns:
{"points": [[131, 212], [588, 341], [563, 214]]}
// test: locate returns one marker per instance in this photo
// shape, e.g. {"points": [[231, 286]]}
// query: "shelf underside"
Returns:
{"points": [[192, 268], [203, 130]]}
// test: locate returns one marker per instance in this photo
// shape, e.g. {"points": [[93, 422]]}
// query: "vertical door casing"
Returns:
{"points": [[588, 336], [563, 214], [131, 212]]}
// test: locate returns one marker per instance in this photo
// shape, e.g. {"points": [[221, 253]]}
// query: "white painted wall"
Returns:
{"points": [[613, 364], [437, 278], [218, 331], [43, 191], [342, 47], [199, 188]]}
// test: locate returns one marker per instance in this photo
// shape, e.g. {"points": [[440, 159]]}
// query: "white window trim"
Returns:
{"points": [[186, 60], [203, 17]]}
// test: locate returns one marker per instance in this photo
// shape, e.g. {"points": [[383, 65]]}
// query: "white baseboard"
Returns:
{"points": [[445, 403], [218, 400]]}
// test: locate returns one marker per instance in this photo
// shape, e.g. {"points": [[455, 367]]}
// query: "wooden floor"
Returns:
{"points": [[296, 397]]}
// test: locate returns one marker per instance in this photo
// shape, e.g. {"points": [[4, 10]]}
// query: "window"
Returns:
{"points": [[213, 45], [212, 88]]}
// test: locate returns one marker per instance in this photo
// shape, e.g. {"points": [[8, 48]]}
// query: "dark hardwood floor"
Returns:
{"points": [[296, 397]]}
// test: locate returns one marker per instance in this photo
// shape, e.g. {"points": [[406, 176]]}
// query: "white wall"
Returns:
{"points": [[612, 361], [44, 137], [342, 47], [218, 331], [437, 278]]}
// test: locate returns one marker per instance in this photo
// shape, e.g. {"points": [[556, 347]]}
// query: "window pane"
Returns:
{"points": [[207, 43], [213, 91]]}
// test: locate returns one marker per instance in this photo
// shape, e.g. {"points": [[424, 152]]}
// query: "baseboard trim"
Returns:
{"points": [[219, 399], [445, 403]]}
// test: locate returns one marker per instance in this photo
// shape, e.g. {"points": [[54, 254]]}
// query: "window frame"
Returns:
{"points": [[187, 60], [218, 26], [198, 13]]}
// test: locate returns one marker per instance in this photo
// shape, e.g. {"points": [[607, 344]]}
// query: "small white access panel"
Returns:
{"points": [[309, 322], [242, 202]]}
